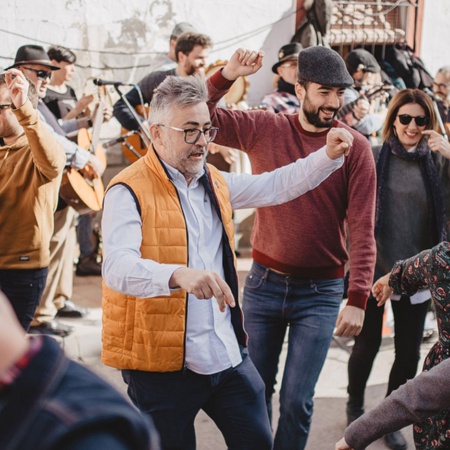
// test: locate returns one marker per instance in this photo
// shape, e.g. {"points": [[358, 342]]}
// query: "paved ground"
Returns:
{"points": [[329, 416]]}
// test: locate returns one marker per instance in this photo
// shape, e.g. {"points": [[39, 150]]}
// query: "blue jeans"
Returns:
{"points": [[24, 288], [233, 398], [271, 303], [85, 235]]}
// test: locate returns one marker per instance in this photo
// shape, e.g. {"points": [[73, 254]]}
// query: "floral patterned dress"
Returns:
{"points": [[430, 268]]}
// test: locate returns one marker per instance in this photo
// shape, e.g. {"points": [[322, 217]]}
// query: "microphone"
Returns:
{"points": [[100, 82], [432, 95], [122, 138]]}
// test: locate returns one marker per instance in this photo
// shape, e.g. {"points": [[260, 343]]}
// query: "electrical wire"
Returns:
{"points": [[230, 42]]}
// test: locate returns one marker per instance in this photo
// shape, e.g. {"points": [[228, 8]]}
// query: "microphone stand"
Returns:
{"points": [[137, 118], [436, 110], [439, 119]]}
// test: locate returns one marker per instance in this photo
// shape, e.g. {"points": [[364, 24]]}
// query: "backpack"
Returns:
{"points": [[316, 25], [408, 66]]}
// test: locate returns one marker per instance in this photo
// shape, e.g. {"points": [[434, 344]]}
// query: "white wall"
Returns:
{"points": [[435, 46], [119, 33]]}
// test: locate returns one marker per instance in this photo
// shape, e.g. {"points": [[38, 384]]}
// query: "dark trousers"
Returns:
{"points": [[234, 399], [24, 290], [409, 322]]}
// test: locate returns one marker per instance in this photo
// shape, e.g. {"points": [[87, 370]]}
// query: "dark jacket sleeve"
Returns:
{"points": [[422, 397], [123, 114]]}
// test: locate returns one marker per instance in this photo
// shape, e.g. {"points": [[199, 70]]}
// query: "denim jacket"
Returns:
{"points": [[57, 404]]}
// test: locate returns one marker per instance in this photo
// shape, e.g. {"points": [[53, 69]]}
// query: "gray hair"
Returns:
{"points": [[445, 69], [32, 93], [176, 92]]}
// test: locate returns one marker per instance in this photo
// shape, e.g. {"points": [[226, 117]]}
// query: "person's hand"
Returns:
{"points": [[361, 108], [204, 284], [107, 113], [94, 167], [230, 155], [13, 343], [83, 103], [339, 142], [381, 290], [342, 445], [17, 86], [438, 143], [242, 63], [349, 322]]}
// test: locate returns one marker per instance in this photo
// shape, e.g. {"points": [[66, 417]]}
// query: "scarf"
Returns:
{"points": [[284, 86], [430, 176]]}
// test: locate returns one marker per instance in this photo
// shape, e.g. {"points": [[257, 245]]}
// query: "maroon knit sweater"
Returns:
{"points": [[307, 236]]}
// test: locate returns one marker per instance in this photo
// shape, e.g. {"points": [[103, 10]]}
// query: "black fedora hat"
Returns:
{"points": [[32, 54], [288, 52]]}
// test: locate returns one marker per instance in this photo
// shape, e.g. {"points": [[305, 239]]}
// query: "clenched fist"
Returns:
{"points": [[339, 142]]}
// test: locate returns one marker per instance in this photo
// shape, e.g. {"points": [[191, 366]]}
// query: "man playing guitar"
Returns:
{"points": [[191, 51], [365, 103]]}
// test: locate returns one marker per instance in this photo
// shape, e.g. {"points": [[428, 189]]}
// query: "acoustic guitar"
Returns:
{"points": [[376, 91], [82, 189], [135, 146]]}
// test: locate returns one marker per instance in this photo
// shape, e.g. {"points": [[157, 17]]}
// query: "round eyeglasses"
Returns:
{"points": [[192, 135]]}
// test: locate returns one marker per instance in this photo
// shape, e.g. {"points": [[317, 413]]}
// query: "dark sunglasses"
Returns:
{"points": [[42, 74], [405, 119]]}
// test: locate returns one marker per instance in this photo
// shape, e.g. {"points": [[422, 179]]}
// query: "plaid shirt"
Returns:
{"points": [[281, 102]]}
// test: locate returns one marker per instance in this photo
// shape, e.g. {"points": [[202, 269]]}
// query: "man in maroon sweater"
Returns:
{"points": [[299, 248]]}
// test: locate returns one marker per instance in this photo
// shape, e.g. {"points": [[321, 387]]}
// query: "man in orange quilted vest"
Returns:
{"points": [[171, 316]]}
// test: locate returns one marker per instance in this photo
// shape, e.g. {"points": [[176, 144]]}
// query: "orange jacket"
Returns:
{"points": [[149, 333]]}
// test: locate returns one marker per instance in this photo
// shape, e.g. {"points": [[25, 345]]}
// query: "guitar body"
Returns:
{"points": [[82, 189], [85, 195], [135, 141], [84, 141]]}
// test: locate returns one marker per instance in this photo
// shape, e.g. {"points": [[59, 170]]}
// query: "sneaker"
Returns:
{"points": [[52, 328], [88, 266], [395, 441]]}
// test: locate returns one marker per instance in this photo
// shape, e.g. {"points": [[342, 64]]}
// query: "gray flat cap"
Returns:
{"points": [[323, 66]]}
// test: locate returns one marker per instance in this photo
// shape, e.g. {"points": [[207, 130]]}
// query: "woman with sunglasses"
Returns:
{"points": [[410, 217]]}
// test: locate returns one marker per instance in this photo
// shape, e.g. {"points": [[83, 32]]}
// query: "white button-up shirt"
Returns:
{"points": [[211, 344]]}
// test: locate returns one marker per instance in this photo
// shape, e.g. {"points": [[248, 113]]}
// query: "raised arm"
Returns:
{"points": [[48, 155]]}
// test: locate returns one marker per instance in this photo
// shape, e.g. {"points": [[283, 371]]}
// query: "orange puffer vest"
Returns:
{"points": [[149, 333]]}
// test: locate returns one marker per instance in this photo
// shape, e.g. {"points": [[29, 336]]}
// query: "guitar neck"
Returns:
{"points": [[349, 107]]}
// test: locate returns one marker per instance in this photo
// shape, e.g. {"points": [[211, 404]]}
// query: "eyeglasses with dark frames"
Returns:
{"points": [[441, 85], [405, 119], [42, 74], [192, 135]]}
